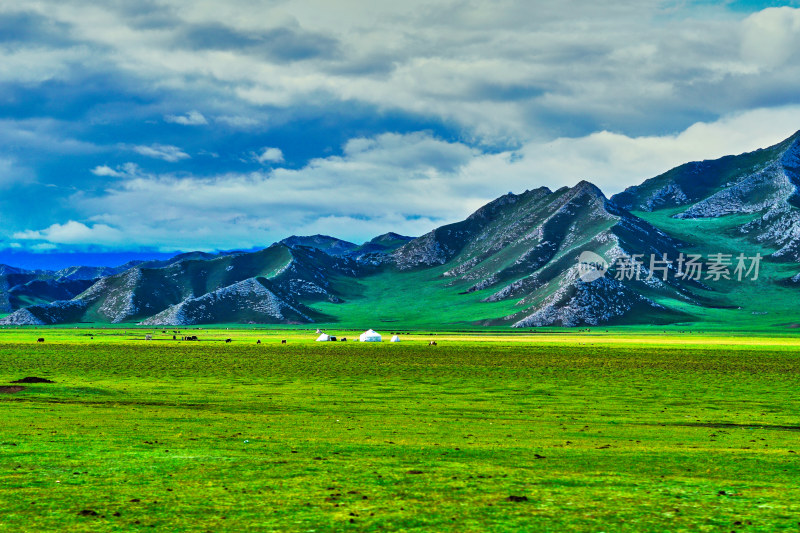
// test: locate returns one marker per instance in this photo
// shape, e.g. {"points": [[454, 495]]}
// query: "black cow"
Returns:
{"points": [[228, 340], [40, 339], [283, 341], [258, 341]]}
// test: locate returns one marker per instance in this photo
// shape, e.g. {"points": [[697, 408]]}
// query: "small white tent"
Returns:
{"points": [[323, 338], [395, 339], [370, 336]]}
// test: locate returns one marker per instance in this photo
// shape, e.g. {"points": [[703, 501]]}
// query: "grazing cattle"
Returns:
{"points": [[344, 339], [148, 337], [173, 337], [432, 343], [283, 341], [40, 339], [228, 340], [258, 341]]}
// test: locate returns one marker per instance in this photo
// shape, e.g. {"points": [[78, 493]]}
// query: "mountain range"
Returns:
{"points": [[514, 262]]}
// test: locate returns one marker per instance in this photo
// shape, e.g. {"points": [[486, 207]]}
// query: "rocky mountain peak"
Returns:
{"points": [[391, 236], [791, 156], [325, 243], [588, 188]]}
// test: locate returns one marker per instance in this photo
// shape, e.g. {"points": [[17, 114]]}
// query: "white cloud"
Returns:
{"points": [[269, 155], [614, 161], [11, 173], [239, 122], [38, 64], [45, 135], [166, 152], [770, 37], [405, 183], [610, 92], [72, 232], [391, 182], [121, 171], [192, 118], [105, 170], [511, 71]]}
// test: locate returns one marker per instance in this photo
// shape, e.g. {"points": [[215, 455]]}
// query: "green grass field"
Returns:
{"points": [[624, 431]]}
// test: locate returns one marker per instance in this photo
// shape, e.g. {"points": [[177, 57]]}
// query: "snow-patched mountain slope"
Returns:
{"points": [[749, 176], [178, 287], [250, 300], [521, 246], [764, 184]]}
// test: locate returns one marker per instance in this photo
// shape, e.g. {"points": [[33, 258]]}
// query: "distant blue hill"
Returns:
{"points": [[59, 260]]}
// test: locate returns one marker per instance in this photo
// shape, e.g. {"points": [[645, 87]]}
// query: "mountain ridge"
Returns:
{"points": [[513, 262]]}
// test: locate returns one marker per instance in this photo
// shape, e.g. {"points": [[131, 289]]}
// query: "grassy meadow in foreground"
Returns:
{"points": [[616, 432]]}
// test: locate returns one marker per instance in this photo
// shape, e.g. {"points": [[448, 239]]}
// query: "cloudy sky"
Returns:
{"points": [[182, 124]]}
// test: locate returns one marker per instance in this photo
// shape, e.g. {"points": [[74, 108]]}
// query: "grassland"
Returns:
{"points": [[414, 299], [765, 304], [625, 431]]}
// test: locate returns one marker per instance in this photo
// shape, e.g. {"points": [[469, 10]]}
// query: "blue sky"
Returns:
{"points": [[166, 125]]}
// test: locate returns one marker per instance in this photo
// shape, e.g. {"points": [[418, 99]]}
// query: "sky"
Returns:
{"points": [[154, 126]]}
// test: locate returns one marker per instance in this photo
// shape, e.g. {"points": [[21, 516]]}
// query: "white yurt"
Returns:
{"points": [[370, 336], [323, 338], [395, 339]]}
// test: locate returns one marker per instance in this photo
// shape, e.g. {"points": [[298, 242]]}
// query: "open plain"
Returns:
{"points": [[625, 430]]}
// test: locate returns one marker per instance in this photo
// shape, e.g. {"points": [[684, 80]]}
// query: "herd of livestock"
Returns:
{"points": [[149, 337]]}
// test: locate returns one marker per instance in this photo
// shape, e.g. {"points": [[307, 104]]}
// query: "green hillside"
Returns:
{"points": [[417, 299], [766, 303]]}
